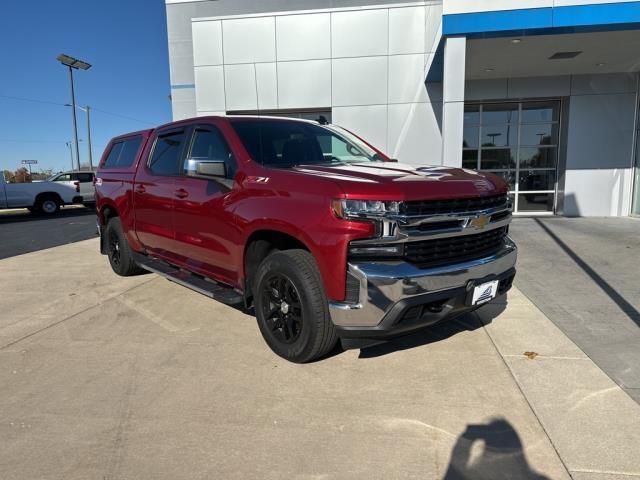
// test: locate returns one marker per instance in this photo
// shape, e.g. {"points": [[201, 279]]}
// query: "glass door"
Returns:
{"points": [[519, 142]]}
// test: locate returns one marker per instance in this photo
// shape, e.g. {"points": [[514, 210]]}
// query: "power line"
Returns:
{"points": [[49, 102], [32, 100], [12, 140]]}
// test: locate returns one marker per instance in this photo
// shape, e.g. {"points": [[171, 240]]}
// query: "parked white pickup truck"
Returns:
{"points": [[41, 197]]}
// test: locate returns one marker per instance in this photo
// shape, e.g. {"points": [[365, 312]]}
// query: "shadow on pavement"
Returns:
{"points": [[490, 451], [611, 292], [27, 216], [435, 333]]}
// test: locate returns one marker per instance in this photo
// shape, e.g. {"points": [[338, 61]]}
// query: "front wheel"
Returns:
{"points": [[291, 307]]}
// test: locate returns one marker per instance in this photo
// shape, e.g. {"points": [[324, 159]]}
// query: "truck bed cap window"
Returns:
{"points": [[123, 153]]}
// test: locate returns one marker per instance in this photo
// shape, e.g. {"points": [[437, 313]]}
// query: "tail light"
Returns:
{"points": [[77, 184]]}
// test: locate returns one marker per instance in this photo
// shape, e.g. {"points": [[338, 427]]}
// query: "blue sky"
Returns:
{"points": [[124, 40]]}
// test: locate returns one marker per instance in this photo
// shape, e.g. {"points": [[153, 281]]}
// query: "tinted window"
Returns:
{"points": [[84, 177], [123, 153], [284, 143], [210, 145], [166, 154], [65, 177]]}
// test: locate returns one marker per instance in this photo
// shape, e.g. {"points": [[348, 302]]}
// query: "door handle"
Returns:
{"points": [[182, 193], [140, 189]]}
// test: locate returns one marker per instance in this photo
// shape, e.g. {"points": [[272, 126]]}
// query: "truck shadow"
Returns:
{"points": [[26, 216], [436, 333], [490, 451]]}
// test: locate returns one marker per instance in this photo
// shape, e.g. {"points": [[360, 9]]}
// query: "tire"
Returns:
{"points": [[49, 205], [291, 307], [33, 210], [118, 250]]}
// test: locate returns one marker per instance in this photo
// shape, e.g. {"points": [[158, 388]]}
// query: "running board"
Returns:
{"points": [[199, 284]]}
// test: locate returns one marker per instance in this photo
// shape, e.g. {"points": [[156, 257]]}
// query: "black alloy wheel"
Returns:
{"points": [[282, 308]]}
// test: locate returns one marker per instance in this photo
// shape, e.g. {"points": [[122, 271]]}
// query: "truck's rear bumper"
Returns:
{"points": [[395, 298]]}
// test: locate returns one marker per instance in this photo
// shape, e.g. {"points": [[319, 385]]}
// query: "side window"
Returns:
{"points": [[211, 145], [85, 177], [65, 177], [123, 153], [166, 154]]}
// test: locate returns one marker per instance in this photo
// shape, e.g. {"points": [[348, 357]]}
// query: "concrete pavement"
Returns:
{"points": [[584, 274], [110, 378]]}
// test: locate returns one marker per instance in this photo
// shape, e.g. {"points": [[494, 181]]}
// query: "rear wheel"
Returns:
{"points": [[291, 307], [118, 250], [48, 205]]}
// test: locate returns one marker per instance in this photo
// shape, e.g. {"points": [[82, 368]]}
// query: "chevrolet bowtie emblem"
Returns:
{"points": [[479, 222]]}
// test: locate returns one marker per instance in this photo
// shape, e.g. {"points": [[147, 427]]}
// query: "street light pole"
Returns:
{"points": [[73, 64], [89, 138], [73, 115]]}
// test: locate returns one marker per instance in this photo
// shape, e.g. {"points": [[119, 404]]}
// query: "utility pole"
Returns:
{"points": [[89, 138]]}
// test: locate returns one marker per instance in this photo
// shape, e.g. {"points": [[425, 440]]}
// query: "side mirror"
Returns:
{"points": [[205, 168]]}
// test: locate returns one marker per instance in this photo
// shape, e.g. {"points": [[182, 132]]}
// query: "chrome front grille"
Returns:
{"points": [[453, 206]]}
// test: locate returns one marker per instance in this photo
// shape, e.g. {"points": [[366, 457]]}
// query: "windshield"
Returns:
{"points": [[282, 143]]}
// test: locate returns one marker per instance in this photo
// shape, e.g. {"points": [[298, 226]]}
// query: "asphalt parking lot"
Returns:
{"points": [[23, 232], [105, 377]]}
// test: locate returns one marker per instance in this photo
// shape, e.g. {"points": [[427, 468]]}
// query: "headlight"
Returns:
{"points": [[364, 208]]}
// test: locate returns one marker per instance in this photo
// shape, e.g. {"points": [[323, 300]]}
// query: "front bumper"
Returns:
{"points": [[396, 297]]}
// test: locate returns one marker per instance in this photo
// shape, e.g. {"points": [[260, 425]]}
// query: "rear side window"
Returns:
{"points": [[123, 153], [84, 177], [166, 154]]}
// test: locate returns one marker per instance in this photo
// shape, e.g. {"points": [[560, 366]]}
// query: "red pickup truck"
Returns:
{"points": [[317, 231]]}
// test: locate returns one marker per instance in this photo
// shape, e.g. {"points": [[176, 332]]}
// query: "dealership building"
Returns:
{"points": [[541, 92]]}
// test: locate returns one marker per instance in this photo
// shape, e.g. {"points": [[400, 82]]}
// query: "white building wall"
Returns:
{"points": [[452, 7], [366, 64]]}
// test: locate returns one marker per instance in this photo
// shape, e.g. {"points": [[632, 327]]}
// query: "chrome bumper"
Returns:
{"points": [[383, 285]]}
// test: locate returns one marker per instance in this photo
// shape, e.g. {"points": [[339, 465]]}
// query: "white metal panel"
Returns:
{"points": [[486, 89], [433, 25], [240, 87], [303, 37], [207, 43], [360, 33], [607, 83], [406, 79], [183, 103], [468, 6], [598, 192], [369, 122], [414, 133], [539, 87], [304, 84], [248, 40], [360, 81], [564, 3], [209, 88], [407, 30], [267, 85]]}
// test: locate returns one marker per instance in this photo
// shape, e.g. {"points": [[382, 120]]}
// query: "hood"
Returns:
{"points": [[397, 181]]}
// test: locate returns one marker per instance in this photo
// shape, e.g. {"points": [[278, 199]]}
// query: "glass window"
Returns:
{"points": [[472, 114], [65, 177], [538, 157], [470, 138], [537, 180], [497, 159], [496, 114], [166, 154], [535, 202], [508, 176], [123, 153], [499, 135], [209, 144], [536, 112], [470, 159], [543, 134], [84, 177], [286, 143]]}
